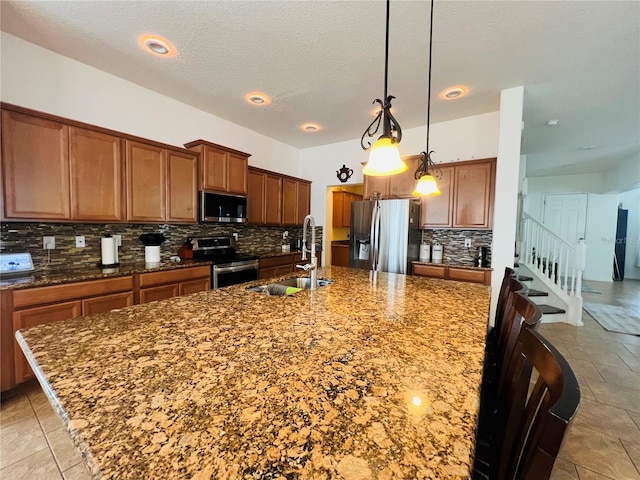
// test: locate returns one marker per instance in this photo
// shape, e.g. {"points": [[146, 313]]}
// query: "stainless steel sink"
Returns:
{"points": [[280, 288]]}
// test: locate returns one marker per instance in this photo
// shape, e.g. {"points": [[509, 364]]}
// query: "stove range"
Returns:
{"points": [[229, 267]]}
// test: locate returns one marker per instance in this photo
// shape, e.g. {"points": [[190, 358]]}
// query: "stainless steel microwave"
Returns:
{"points": [[217, 207]]}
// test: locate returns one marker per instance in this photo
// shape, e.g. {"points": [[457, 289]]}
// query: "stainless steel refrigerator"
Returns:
{"points": [[384, 235]]}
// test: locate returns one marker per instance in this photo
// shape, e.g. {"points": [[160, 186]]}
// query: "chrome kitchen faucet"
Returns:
{"points": [[311, 267]]}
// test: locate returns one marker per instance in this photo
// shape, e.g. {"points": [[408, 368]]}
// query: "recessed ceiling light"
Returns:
{"points": [[587, 147], [257, 98], [310, 127], [552, 122], [157, 46], [452, 93]]}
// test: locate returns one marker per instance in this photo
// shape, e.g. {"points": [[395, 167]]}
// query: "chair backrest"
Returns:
{"points": [[520, 313], [534, 423], [502, 297]]}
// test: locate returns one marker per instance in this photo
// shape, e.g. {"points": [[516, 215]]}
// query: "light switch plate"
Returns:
{"points": [[80, 241]]}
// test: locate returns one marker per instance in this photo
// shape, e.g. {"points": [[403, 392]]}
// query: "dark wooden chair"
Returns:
{"points": [[530, 424], [519, 313]]}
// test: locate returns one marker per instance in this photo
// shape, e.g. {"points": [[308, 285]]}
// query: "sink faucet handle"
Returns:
{"points": [[305, 267]]}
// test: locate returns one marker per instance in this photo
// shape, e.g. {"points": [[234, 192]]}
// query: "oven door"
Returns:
{"points": [[229, 274]]}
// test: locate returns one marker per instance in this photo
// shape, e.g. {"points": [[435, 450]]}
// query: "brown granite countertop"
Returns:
{"points": [[271, 252], [371, 377], [43, 278]]}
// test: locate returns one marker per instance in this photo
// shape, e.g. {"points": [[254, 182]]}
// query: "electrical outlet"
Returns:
{"points": [[467, 243], [118, 240], [49, 243], [80, 241]]}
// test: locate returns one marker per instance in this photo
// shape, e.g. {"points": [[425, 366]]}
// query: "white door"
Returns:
{"points": [[566, 215]]}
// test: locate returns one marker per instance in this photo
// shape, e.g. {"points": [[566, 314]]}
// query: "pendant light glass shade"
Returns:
{"points": [[427, 186], [384, 159]]}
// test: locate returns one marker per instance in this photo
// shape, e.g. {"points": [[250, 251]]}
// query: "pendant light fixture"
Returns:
{"points": [[384, 158], [426, 183]]}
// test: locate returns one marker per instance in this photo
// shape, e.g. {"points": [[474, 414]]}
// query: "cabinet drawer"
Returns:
{"points": [[278, 260], [195, 286], [163, 292], [58, 293], [464, 275], [429, 271], [106, 303], [174, 276]]}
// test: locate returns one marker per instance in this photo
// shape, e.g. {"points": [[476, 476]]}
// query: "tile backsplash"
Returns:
{"points": [[21, 237], [453, 250]]}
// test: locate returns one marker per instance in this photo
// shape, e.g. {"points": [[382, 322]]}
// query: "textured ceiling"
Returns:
{"points": [[323, 62]]}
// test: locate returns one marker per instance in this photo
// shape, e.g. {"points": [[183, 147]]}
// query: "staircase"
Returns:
{"points": [[551, 268]]}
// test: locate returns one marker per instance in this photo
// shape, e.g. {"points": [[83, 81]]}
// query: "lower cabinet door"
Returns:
{"points": [[159, 293], [194, 286], [429, 271], [31, 317], [106, 303]]}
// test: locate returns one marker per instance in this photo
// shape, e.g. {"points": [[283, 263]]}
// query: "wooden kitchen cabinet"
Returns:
{"points": [[436, 211], [31, 317], [165, 284], [340, 255], [35, 167], [446, 272], [182, 187], [96, 175], [28, 307], [264, 197], [146, 182], [473, 195], [296, 200], [394, 186], [161, 184], [467, 196], [221, 169], [279, 265], [342, 208]]}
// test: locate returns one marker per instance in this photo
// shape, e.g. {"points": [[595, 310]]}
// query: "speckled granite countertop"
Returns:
{"points": [[366, 378], [43, 278]]}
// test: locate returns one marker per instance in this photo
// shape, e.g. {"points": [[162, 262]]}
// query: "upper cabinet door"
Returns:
{"points": [[214, 169], [403, 184], [146, 182], [436, 212], [256, 198], [237, 173], [289, 201], [273, 199], [96, 175], [376, 185], [304, 201], [474, 195], [35, 167], [182, 180]]}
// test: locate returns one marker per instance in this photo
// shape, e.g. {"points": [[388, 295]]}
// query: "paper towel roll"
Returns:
{"points": [[425, 252], [108, 251], [152, 254]]}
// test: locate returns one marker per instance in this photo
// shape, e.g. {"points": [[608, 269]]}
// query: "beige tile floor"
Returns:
{"points": [[602, 443]]}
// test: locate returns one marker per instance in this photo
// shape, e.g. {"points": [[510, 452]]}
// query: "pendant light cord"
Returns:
{"points": [[429, 87], [386, 55]]}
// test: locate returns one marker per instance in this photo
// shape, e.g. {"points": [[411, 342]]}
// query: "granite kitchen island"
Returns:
{"points": [[366, 378]]}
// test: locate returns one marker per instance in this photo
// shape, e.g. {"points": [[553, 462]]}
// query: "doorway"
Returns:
{"points": [[338, 200], [566, 215]]}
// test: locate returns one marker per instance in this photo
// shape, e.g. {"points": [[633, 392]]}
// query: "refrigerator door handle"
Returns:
{"points": [[375, 235]]}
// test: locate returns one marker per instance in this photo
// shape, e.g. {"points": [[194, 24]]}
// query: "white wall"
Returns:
{"points": [[602, 215], [625, 177], [43, 80], [506, 196], [539, 186], [631, 201]]}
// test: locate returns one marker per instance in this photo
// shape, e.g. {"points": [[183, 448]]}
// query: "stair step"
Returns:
{"points": [[524, 278], [532, 292], [548, 309]]}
